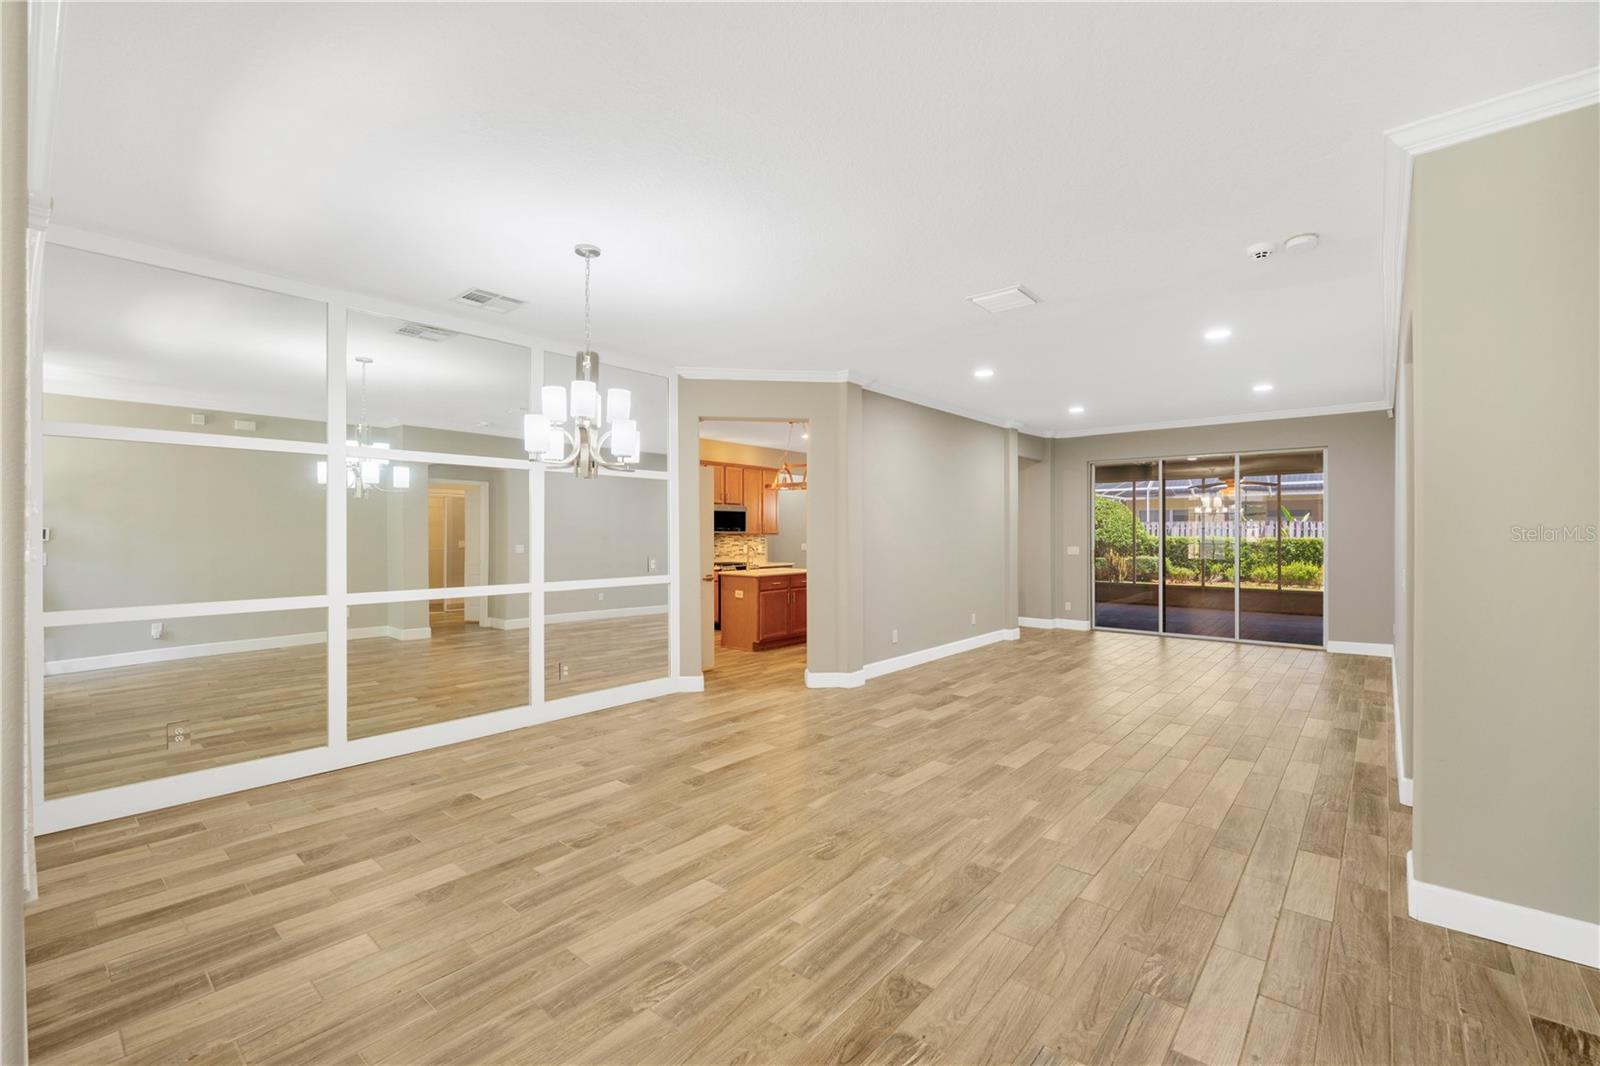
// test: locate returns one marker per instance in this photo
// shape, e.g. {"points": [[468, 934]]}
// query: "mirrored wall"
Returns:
{"points": [[228, 578], [1224, 546]]}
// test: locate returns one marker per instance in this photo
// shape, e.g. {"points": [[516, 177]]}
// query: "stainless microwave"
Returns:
{"points": [[729, 520]]}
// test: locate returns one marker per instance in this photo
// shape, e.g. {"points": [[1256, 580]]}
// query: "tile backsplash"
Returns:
{"points": [[737, 547]]}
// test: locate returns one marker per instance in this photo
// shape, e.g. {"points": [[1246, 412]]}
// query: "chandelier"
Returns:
{"points": [[365, 476], [572, 418], [788, 475]]}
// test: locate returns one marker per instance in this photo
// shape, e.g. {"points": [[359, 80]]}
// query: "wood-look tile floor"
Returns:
{"points": [[109, 727], [1079, 847]]}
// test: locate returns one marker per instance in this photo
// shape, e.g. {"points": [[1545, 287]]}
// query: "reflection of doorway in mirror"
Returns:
{"points": [[458, 532]]}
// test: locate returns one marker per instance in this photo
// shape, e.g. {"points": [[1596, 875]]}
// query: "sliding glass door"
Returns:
{"points": [[1223, 546], [1281, 550], [1126, 547], [1199, 518]]}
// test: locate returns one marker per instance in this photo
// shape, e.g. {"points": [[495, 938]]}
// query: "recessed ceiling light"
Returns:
{"points": [[983, 373], [1075, 409], [1303, 242], [1263, 387], [1007, 299], [1218, 333]]}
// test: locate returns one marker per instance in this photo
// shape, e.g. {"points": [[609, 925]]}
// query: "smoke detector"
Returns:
{"points": [[489, 300], [424, 333], [1261, 250]]}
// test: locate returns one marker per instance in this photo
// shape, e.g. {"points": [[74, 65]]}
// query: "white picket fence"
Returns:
{"points": [[1252, 530]]}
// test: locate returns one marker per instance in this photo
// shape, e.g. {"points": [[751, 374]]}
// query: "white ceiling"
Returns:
{"points": [[814, 187], [776, 435]]}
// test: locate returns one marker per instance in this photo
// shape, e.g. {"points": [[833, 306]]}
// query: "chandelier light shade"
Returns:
{"points": [[570, 430], [364, 476]]}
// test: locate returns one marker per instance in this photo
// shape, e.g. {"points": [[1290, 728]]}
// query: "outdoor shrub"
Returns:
{"points": [[1114, 526], [1183, 574], [1144, 568], [1302, 575]]}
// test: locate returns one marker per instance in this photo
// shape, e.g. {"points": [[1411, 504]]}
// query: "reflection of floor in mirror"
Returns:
{"points": [[109, 727]]}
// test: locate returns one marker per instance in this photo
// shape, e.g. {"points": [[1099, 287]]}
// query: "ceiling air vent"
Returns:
{"points": [[489, 301], [1008, 299], [424, 333]]}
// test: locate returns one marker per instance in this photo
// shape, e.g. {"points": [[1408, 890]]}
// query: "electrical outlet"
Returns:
{"points": [[802, 545], [521, 549], [156, 629], [563, 670], [244, 425], [178, 735], [1073, 549], [974, 617], [894, 636], [602, 595], [650, 565], [1069, 605], [197, 420]]}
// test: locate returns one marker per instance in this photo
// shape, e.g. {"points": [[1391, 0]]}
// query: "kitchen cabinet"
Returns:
{"points": [[747, 487], [762, 609], [753, 481]]}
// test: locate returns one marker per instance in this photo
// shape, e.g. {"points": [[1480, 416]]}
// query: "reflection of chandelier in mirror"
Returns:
{"points": [[546, 434], [788, 476], [364, 476]]}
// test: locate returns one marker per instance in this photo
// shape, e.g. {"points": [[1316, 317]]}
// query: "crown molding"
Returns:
{"points": [[874, 385], [1223, 420], [1403, 144], [733, 373]]}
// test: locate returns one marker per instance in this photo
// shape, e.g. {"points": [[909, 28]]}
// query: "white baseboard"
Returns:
{"points": [[857, 678], [611, 612], [1400, 777], [173, 653], [836, 680], [504, 623], [1053, 623], [1355, 647], [1510, 923], [697, 683]]}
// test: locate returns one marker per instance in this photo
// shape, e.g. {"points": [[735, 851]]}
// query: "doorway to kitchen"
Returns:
{"points": [[458, 549], [753, 529], [1230, 546]]}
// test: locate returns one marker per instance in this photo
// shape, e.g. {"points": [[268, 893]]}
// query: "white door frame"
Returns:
{"points": [[477, 515]]}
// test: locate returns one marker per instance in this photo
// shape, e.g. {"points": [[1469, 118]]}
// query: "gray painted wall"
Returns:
{"points": [[1360, 476], [934, 527], [1035, 554], [1506, 360]]}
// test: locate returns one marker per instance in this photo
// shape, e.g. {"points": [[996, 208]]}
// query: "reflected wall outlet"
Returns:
{"points": [[244, 425], [563, 670], [178, 735], [521, 549], [602, 594], [1073, 549], [197, 420], [650, 565], [802, 545], [156, 629], [974, 617], [1069, 605], [894, 636]]}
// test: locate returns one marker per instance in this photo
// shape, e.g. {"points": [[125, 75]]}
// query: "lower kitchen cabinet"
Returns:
{"points": [[763, 610]]}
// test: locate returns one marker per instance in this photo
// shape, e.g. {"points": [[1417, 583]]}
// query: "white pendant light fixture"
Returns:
{"points": [[547, 436], [365, 476]]}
